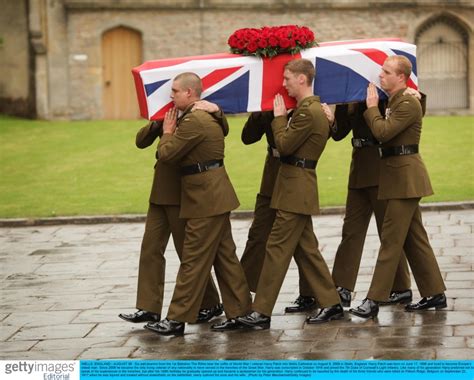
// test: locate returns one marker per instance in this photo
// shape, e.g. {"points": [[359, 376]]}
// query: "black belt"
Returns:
{"points": [[401, 150], [360, 143], [299, 162], [201, 167], [273, 151]]}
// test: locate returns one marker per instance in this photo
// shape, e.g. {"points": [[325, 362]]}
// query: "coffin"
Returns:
{"points": [[240, 83]]}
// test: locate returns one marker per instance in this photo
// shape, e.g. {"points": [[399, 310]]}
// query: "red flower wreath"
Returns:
{"points": [[270, 41]]}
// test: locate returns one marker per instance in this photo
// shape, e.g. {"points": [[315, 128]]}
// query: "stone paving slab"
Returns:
{"points": [[63, 286]]}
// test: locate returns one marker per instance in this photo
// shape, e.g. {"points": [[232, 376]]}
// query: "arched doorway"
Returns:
{"points": [[121, 51], [442, 60]]}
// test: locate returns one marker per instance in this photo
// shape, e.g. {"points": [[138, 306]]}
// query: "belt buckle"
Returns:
{"points": [[357, 143], [380, 152], [300, 163], [200, 168], [403, 151]]}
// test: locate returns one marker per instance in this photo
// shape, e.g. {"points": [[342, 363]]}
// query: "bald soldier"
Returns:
{"points": [[195, 142], [163, 220], [403, 180], [362, 201], [300, 142], [257, 125]]}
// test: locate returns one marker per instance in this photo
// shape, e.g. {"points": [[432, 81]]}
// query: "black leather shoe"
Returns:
{"points": [[206, 315], [166, 327], [368, 309], [227, 325], [302, 303], [327, 314], [140, 316], [402, 297], [255, 320], [345, 296], [438, 302]]}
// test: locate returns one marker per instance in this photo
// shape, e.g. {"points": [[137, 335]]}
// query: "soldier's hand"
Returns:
{"points": [[328, 112], [372, 96], [279, 108], [169, 122], [204, 105], [412, 92]]}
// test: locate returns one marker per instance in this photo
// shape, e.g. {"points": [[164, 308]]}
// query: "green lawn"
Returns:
{"points": [[93, 167]]}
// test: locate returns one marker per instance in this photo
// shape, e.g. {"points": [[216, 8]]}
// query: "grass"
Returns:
{"points": [[93, 167]]}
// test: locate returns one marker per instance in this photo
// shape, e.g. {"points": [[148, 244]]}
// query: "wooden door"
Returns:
{"points": [[442, 65], [121, 51]]}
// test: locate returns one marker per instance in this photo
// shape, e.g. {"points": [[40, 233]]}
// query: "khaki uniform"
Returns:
{"points": [[162, 220], [361, 201], [295, 197], [257, 125], [403, 180], [206, 201]]}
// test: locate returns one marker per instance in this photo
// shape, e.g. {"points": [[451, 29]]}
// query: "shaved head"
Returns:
{"points": [[189, 80]]}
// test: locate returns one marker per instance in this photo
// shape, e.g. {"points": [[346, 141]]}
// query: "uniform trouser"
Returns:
{"points": [[208, 241], [254, 252], [360, 205], [403, 229], [289, 232], [162, 221]]}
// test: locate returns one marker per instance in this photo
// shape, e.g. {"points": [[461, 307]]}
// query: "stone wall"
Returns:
{"points": [[14, 59], [172, 33]]}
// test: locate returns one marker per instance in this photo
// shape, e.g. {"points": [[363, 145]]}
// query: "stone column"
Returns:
{"points": [[36, 22]]}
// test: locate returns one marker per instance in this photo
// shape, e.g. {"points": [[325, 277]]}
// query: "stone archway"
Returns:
{"points": [[442, 63], [121, 51]]}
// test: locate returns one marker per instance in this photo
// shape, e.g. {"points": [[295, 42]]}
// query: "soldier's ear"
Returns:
{"points": [[301, 78]]}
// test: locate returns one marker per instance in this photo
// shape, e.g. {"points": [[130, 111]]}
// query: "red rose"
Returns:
{"points": [[252, 47], [232, 41], [262, 43], [273, 41], [284, 43], [240, 44]]}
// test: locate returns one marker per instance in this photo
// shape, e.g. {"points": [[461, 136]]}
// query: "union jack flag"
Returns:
{"points": [[245, 84]]}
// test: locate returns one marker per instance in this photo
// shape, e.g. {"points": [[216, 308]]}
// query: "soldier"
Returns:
{"points": [[195, 142], [362, 202], [163, 220], [300, 141], [403, 180], [257, 125]]}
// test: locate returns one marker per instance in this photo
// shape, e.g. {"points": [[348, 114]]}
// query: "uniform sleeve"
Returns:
{"points": [[254, 128], [423, 103], [343, 122], [148, 134], [173, 147], [219, 116], [289, 139], [404, 115]]}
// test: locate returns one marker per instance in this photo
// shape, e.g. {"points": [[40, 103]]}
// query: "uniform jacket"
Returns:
{"points": [[199, 137], [257, 125], [166, 187], [304, 136], [365, 164], [400, 177], [364, 170]]}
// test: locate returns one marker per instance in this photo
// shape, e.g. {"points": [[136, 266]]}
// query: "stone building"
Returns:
{"points": [[72, 58]]}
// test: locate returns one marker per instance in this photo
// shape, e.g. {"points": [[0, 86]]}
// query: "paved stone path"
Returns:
{"points": [[63, 286]]}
